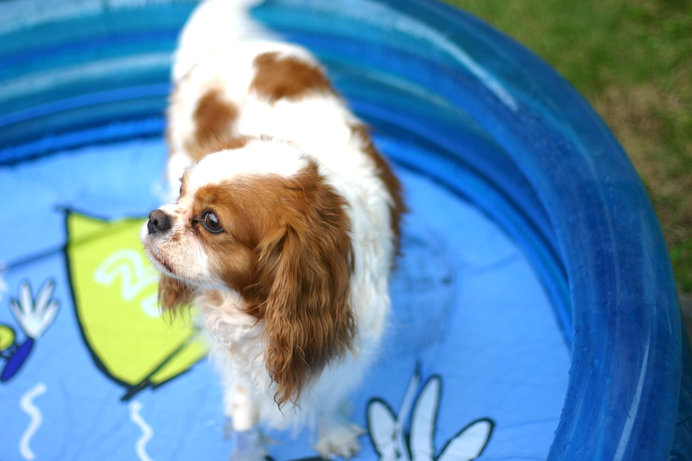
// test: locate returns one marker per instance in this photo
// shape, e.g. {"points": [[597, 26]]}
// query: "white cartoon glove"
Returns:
{"points": [[35, 316], [393, 444]]}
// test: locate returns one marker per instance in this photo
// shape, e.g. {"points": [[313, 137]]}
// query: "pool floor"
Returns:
{"points": [[473, 359]]}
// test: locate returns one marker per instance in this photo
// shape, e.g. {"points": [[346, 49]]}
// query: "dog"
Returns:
{"points": [[285, 230]]}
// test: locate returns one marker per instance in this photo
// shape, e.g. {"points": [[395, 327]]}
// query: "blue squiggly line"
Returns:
{"points": [[27, 405], [147, 432]]}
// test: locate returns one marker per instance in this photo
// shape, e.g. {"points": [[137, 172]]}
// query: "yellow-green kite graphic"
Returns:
{"points": [[114, 289]]}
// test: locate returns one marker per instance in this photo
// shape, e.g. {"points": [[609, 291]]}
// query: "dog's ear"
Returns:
{"points": [[306, 269], [173, 294]]}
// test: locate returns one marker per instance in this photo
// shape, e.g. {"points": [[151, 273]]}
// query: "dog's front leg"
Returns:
{"points": [[249, 442]]}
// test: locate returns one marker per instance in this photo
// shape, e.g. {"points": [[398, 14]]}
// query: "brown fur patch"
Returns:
{"points": [[386, 175], [287, 77], [173, 294], [286, 249], [231, 251], [213, 121]]}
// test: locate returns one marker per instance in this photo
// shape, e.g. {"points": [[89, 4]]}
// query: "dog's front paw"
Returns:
{"points": [[340, 441], [249, 446], [248, 455]]}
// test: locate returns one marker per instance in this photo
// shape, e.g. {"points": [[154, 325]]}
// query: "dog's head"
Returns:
{"points": [[261, 221]]}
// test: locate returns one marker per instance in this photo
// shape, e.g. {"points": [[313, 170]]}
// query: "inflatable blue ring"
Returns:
{"points": [[551, 174]]}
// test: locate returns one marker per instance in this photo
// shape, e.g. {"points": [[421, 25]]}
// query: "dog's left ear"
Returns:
{"points": [[173, 294], [306, 268]]}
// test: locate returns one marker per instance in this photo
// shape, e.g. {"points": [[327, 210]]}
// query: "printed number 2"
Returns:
{"points": [[134, 274]]}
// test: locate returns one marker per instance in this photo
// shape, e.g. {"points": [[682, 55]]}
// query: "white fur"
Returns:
{"points": [[258, 158], [211, 55], [213, 25]]}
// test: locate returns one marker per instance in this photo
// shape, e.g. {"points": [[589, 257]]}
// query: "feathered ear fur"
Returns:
{"points": [[173, 294], [306, 270]]}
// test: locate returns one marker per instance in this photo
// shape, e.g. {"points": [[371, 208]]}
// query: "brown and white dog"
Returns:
{"points": [[285, 229]]}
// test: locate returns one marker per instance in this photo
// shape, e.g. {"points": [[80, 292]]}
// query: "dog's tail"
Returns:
{"points": [[214, 25]]}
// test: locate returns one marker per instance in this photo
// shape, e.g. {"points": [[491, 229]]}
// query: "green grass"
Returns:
{"points": [[632, 61]]}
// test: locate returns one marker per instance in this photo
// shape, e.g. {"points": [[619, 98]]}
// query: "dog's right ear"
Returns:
{"points": [[174, 294]]}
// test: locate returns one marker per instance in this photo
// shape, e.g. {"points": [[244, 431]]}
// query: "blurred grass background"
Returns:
{"points": [[632, 61]]}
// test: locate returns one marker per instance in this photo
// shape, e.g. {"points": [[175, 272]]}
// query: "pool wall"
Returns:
{"points": [[555, 179]]}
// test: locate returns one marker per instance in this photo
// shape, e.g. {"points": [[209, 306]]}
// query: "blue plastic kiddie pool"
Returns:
{"points": [[535, 311]]}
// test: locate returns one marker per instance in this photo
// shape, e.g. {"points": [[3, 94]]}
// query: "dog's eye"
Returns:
{"points": [[211, 222]]}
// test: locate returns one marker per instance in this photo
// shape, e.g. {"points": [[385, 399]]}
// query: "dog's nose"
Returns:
{"points": [[158, 222]]}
